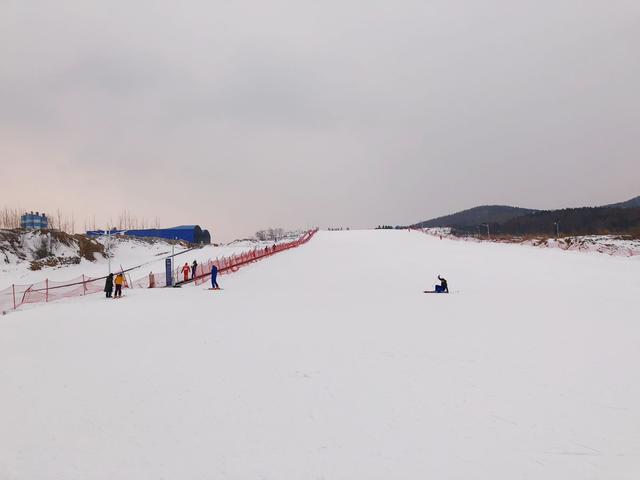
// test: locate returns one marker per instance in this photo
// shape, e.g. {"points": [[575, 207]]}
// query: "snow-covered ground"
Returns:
{"points": [[126, 252], [616, 245], [328, 362], [608, 244]]}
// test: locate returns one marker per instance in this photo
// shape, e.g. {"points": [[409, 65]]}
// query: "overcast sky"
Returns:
{"points": [[239, 115]]}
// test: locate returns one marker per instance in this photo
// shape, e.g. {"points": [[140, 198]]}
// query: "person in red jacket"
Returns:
{"points": [[185, 271]]}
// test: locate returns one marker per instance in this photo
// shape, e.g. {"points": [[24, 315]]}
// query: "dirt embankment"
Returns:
{"points": [[47, 248]]}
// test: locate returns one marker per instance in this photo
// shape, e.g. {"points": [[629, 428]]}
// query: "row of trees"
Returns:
{"points": [[10, 219], [566, 222], [270, 234]]}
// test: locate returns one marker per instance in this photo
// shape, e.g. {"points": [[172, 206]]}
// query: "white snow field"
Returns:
{"points": [[328, 362]]}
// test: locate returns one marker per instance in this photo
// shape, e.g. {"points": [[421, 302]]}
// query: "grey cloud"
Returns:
{"points": [[321, 112]]}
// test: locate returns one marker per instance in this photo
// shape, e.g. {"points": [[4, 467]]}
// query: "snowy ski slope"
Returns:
{"points": [[328, 361]]}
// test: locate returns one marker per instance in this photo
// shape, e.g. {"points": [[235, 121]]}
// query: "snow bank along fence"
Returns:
{"points": [[605, 244], [48, 290], [224, 264]]}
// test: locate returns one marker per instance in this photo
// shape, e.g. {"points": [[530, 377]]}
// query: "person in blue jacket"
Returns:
{"points": [[214, 275]]}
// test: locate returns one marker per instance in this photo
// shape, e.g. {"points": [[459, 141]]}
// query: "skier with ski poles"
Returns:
{"points": [[214, 275]]}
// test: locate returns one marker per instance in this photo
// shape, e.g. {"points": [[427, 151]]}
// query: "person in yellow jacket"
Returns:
{"points": [[119, 282]]}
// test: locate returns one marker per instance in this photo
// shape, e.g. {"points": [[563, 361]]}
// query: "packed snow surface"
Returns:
{"points": [[328, 362]]}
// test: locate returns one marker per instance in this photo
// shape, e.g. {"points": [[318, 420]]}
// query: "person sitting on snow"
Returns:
{"points": [[444, 287]]}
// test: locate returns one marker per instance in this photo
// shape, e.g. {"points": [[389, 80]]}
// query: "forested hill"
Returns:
{"points": [[633, 203], [572, 221], [476, 216]]}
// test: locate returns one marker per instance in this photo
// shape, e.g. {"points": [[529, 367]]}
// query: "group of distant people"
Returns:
{"points": [[186, 270], [192, 270], [116, 282]]}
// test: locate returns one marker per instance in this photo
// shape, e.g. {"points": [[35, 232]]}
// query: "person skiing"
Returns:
{"points": [[214, 275], [185, 271], [444, 287], [108, 285], [194, 265], [119, 282], [152, 280]]}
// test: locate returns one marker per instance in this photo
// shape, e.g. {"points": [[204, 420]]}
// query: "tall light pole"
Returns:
{"points": [[557, 224], [109, 248], [488, 232]]}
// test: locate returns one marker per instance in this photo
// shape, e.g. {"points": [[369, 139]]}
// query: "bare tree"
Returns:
{"points": [[270, 234], [10, 218]]}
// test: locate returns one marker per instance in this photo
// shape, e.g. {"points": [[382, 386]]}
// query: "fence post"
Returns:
{"points": [[14, 296], [46, 292], [84, 286]]}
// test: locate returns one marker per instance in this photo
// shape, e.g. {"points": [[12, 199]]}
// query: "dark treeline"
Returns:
{"points": [[572, 221]]}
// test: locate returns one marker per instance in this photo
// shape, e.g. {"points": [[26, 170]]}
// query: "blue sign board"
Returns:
{"points": [[168, 269]]}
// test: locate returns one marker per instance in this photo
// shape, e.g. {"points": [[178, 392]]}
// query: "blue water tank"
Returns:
{"points": [[34, 221]]}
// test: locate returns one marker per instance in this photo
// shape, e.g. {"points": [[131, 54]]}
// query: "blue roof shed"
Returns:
{"points": [[189, 233]]}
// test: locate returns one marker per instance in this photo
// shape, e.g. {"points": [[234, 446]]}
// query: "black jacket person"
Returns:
{"points": [[443, 284], [108, 285], [194, 265]]}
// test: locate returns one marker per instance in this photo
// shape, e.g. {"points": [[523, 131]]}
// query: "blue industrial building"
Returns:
{"points": [[189, 233], [34, 221]]}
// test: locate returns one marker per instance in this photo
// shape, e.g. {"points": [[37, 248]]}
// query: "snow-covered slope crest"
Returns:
{"points": [[609, 244], [28, 257], [616, 245], [47, 248], [70, 258]]}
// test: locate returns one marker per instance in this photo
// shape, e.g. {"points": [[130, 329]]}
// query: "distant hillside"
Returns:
{"points": [[476, 216], [633, 203]]}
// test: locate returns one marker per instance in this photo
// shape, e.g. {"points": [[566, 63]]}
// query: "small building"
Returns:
{"points": [[189, 233], [34, 221]]}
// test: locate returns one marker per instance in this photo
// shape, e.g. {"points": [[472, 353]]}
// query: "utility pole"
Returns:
{"points": [[173, 258], [109, 248], [488, 232]]}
